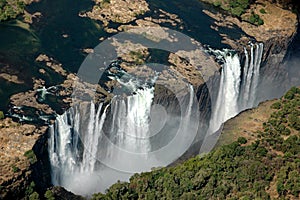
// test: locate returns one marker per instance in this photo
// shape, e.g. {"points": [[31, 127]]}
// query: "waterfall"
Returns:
{"points": [[251, 76], [238, 84], [76, 137], [91, 147]]}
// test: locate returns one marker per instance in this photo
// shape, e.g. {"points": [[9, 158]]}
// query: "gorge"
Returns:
{"points": [[134, 124], [92, 146]]}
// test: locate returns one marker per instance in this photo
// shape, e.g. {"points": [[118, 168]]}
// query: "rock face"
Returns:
{"points": [[273, 68], [277, 32], [22, 158], [63, 194]]}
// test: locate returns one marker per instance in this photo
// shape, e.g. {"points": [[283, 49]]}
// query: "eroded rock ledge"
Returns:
{"points": [[119, 11], [125, 14], [17, 157], [278, 22]]}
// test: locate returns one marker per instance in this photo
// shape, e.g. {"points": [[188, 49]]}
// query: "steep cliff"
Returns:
{"points": [[24, 159], [276, 33]]}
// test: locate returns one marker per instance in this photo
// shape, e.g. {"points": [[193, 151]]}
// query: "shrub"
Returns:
{"points": [[15, 169], [237, 11], [242, 140], [262, 11], [255, 19], [31, 156], [276, 105], [217, 3], [10, 9], [294, 121], [34, 196], [49, 195], [289, 95], [260, 21], [1, 115], [30, 189]]}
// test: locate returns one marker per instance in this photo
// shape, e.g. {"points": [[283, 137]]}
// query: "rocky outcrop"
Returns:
{"points": [[53, 64], [21, 159], [116, 11], [127, 14], [120, 11], [278, 23], [276, 33], [62, 194], [273, 68], [11, 78]]}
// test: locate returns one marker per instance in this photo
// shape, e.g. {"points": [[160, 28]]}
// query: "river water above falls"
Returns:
{"points": [[21, 45]]}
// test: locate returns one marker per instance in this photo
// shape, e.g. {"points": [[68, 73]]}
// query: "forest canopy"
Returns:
{"points": [[10, 9]]}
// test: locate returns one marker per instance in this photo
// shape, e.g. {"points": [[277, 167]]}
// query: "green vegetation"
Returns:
{"points": [[262, 11], [34, 196], [276, 105], [15, 168], [235, 7], [234, 171], [10, 9], [1, 115], [49, 195], [238, 8], [31, 156], [30, 193], [242, 140], [255, 19]]}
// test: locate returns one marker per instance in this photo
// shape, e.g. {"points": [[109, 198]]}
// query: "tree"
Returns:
{"points": [[242, 140], [49, 195], [34, 196]]}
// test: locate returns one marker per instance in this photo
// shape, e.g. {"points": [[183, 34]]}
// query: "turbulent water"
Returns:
{"points": [[92, 146], [238, 84]]}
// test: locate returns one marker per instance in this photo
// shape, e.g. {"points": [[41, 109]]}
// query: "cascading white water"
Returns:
{"points": [[238, 85], [85, 154], [75, 138], [64, 143], [251, 76]]}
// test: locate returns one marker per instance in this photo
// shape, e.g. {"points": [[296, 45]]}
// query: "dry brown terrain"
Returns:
{"points": [[15, 140], [246, 124], [278, 22]]}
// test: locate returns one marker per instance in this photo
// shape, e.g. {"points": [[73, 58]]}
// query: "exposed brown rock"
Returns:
{"points": [[246, 124], [120, 11], [88, 50], [51, 63], [15, 140], [28, 98], [11, 78], [277, 21], [28, 17]]}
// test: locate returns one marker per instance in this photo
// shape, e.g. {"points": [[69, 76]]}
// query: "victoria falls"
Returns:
{"points": [[128, 99]]}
